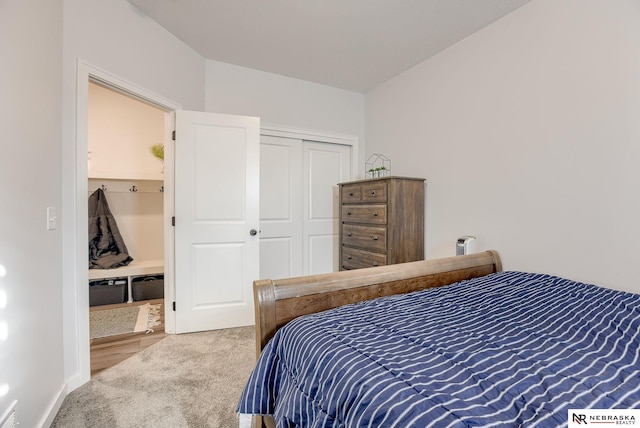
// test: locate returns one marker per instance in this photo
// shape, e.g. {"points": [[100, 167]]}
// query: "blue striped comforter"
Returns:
{"points": [[508, 349]]}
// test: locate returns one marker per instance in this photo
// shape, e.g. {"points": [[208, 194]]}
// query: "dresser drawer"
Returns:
{"points": [[352, 258], [367, 237], [374, 192], [364, 192], [351, 193], [372, 214]]}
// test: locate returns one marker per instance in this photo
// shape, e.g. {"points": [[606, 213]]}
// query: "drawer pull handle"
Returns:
{"points": [[349, 234], [375, 213], [375, 263], [348, 212], [373, 193], [375, 238], [348, 257], [351, 194]]}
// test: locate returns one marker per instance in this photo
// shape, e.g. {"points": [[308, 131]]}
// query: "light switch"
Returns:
{"points": [[52, 218]]}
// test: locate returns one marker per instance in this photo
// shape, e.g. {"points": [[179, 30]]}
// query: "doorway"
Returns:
{"points": [[79, 344], [125, 176]]}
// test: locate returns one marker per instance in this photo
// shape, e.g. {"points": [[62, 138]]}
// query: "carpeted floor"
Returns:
{"points": [[187, 380]]}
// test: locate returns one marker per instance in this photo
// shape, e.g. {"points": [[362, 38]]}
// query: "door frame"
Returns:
{"points": [[317, 136], [86, 73]]}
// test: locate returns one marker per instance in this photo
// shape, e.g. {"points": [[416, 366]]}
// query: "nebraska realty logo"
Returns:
{"points": [[599, 417]]}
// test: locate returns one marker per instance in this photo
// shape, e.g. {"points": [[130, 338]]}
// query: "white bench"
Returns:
{"points": [[133, 269]]}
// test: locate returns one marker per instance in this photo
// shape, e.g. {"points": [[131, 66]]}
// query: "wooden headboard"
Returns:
{"points": [[279, 301]]}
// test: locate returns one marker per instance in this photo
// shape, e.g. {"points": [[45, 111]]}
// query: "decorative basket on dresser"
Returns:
{"points": [[381, 222]]}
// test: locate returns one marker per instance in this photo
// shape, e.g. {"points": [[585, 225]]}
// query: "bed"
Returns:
{"points": [[453, 342]]}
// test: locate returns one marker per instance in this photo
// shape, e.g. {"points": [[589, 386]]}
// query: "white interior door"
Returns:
{"points": [[280, 207], [324, 166], [216, 208]]}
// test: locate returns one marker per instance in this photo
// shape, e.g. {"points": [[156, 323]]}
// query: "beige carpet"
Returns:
{"points": [[187, 380]]}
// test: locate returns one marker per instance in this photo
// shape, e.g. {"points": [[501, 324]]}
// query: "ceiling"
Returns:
{"points": [[349, 44]]}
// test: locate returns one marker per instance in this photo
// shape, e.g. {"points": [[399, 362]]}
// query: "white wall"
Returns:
{"points": [[528, 133], [118, 38], [31, 356], [121, 132], [281, 100]]}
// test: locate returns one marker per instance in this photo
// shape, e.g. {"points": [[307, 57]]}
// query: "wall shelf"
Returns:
{"points": [[135, 175], [126, 185]]}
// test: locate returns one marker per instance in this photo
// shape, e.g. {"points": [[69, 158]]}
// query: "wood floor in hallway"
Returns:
{"points": [[109, 351]]}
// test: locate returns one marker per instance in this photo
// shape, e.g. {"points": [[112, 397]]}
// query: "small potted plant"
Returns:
{"points": [[157, 150], [378, 166]]}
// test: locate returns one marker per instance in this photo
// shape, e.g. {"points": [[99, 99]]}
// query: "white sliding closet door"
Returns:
{"points": [[324, 166], [298, 205], [280, 207]]}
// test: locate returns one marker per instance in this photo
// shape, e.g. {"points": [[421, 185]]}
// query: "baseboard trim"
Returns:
{"points": [[54, 407]]}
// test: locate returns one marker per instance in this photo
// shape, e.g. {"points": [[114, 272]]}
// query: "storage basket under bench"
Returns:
{"points": [[137, 281]]}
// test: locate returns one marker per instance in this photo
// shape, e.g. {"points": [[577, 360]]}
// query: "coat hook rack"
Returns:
{"points": [[103, 187], [161, 188], [133, 189]]}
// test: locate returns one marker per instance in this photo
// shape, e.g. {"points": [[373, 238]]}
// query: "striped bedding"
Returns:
{"points": [[508, 349]]}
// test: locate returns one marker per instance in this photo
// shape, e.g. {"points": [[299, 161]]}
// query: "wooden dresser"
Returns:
{"points": [[381, 222]]}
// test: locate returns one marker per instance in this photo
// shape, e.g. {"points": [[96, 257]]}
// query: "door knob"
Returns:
{"points": [[253, 232]]}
